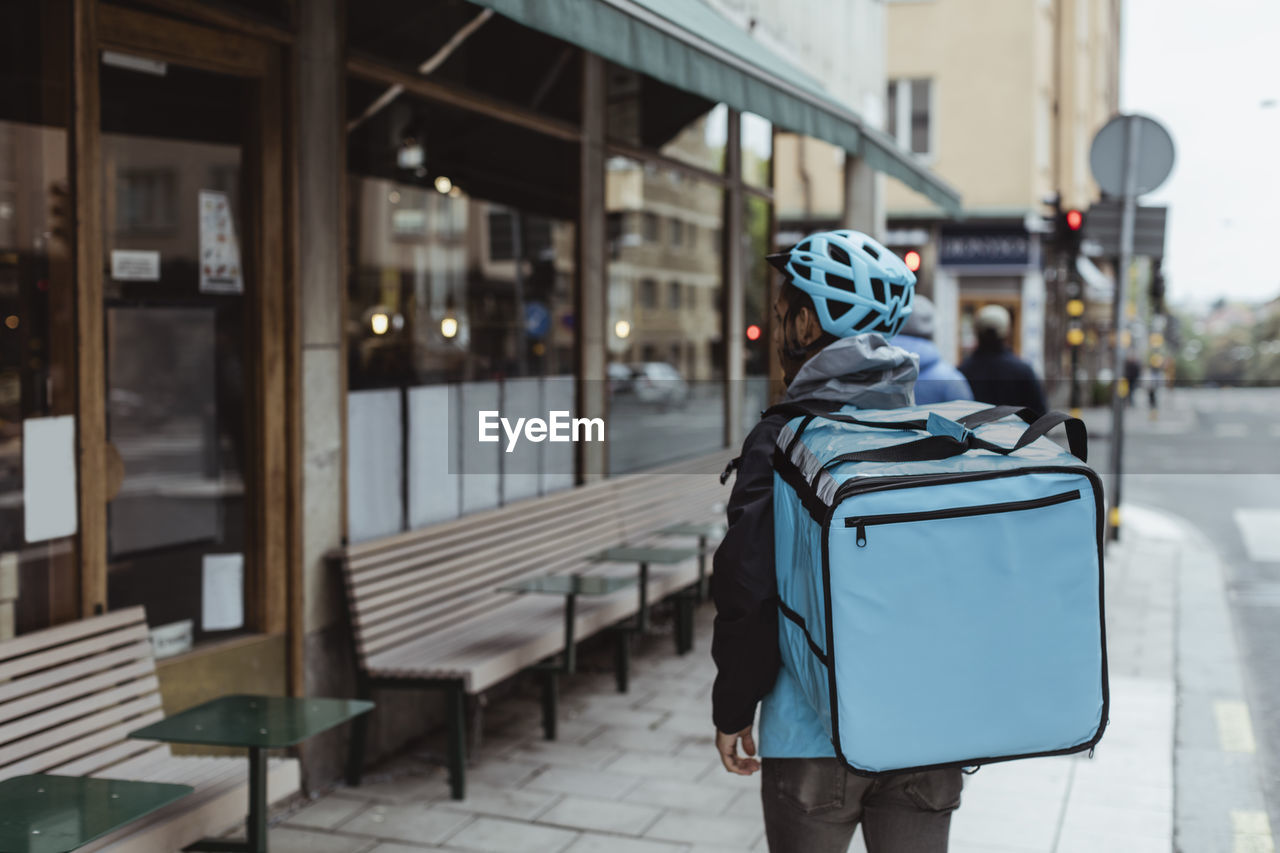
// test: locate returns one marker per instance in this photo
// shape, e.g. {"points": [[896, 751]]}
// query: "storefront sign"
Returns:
{"points": [[219, 250], [129, 265], [49, 477], [172, 639], [985, 247]]}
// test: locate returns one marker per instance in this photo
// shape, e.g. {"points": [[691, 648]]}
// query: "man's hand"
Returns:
{"points": [[727, 746]]}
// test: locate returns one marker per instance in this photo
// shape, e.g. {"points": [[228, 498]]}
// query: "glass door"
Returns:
{"points": [[192, 330]]}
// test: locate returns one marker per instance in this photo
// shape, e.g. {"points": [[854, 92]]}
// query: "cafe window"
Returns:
{"points": [[757, 150], [647, 113], [472, 309], [37, 321], [671, 405]]}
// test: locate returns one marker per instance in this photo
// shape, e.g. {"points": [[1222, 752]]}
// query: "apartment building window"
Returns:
{"points": [[648, 293], [677, 229], [650, 227], [910, 114], [673, 296]]}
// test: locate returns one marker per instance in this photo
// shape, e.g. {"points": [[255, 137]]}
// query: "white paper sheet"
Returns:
{"points": [[222, 601], [49, 477], [130, 265], [219, 249]]}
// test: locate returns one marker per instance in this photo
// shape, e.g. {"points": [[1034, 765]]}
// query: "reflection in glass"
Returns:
{"points": [[757, 304], [37, 297], [665, 303], [646, 113], [176, 274], [460, 298], [757, 150]]}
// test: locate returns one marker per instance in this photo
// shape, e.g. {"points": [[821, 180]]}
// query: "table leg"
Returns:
{"points": [[570, 654], [256, 829], [642, 618]]}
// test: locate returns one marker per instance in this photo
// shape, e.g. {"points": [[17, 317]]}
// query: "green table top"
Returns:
{"points": [[53, 814], [571, 584], [633, 554], [270, 722], [684, 528]]}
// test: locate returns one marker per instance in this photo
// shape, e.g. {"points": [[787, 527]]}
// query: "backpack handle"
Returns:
{"points": [[945, 446]]}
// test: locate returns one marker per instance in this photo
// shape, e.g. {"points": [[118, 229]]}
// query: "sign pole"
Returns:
{"points": [[1132, 133]]}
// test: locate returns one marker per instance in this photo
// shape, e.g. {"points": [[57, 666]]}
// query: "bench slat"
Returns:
{"points": [[71, 631], [124, 636], [53, 701], [69, 672], [39, 757]]}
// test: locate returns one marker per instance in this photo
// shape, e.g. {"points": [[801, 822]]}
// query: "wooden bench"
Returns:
{"points": [[69, 696], [426, 611]]}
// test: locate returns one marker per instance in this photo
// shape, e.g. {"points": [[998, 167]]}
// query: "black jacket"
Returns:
{"points": [[864, 371], [1000, 378]]}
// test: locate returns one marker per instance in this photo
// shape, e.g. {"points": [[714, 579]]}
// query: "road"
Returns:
{"points": [[1212, 457]]}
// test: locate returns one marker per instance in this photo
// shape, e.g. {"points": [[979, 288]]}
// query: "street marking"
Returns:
{"points": [[1231, 430], [1252, 832], [1260, 529], [1235, 731]]}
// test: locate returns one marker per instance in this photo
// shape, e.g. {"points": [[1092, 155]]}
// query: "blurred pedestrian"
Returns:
{"points": [[1132, 377], [995, 374], [832, 344], [939, 381]]}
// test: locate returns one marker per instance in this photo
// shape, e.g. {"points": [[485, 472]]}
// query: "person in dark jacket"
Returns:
{"points": [[844, 296], [995, 374], [938, 381]]}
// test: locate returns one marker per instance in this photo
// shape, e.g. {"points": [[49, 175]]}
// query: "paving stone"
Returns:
{"points": [[285, 839], [327, 813], [686, 796], [419, 824], [698, 829], [507, 773], [632, 739], [587, 783], [591, 842], [524, 804], [508, 836], [601, 815], [565, 754], [661, 766]]}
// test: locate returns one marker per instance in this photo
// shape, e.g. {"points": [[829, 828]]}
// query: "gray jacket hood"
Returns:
{"points": [[865, 371]]}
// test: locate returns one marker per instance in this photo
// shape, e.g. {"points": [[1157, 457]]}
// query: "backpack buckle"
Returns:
{"points": [[938, 425]]}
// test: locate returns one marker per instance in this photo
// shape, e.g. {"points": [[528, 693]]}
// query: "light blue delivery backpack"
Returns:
{"points": [[940, 583]]}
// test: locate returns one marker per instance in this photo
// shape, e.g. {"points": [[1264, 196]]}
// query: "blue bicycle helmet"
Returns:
{"points": [[856, 284]]}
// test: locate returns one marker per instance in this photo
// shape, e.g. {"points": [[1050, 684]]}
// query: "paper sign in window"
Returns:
{"points": [[130, 265], [49, 477], [222, 599], [219, 249]]}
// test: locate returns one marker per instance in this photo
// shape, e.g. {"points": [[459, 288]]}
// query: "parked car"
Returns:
{"points": [[659, 383], [619, 378]]}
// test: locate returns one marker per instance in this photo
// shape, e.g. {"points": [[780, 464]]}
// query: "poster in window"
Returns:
{"points": [[219, 250]]}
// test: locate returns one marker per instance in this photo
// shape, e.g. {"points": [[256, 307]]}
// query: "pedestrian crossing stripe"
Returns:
{"points": [[1235, 730], [1251, 832], [1260, 530]]}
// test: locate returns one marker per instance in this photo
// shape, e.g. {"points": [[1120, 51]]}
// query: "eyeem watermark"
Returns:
{"points": [[558, 427]]}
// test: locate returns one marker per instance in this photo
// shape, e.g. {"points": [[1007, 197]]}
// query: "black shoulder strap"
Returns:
{"points": [[944, 446]]}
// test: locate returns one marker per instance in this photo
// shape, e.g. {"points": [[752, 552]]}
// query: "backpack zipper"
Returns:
{"points": [[862, 522]]}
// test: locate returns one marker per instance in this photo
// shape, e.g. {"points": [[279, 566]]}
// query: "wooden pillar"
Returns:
{"points": [[90, 371], [590, 298], [733, 275]]}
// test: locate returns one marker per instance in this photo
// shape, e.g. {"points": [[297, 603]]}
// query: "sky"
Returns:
{"points": [[1207, 71]]}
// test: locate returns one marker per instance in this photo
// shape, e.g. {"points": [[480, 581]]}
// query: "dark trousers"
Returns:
{"points": [[813, 805]]}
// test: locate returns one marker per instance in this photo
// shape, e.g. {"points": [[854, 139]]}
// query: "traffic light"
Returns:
{"points": [[1156, 289], [912, 259], [1069, 232]]}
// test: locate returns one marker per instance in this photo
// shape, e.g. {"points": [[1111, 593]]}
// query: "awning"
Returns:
{"points": [[687, 44]]}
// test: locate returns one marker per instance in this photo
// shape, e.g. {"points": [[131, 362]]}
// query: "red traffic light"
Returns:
{"points": [[912, 260], [1075, 219], [753, 332]]}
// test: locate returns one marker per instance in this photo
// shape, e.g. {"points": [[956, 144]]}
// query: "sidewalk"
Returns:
{"points": [[637, 773]]}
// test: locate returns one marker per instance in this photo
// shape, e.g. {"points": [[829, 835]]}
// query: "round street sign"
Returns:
{"points": [[1155, 154]]}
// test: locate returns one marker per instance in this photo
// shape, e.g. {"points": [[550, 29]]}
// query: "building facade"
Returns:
{"points": [[260, 262], [1003, 99]]}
